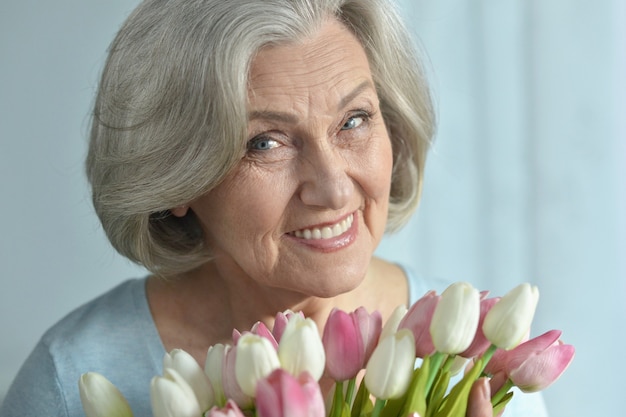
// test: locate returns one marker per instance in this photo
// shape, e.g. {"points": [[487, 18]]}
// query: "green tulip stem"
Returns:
{"points": [[498, 396], [448, 363], [435, 363], [350, 391], [337, 406], [488, 355], [378, 407]]}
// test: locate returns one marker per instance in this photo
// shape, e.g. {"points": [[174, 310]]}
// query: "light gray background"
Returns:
{"points": [[525, 183]]}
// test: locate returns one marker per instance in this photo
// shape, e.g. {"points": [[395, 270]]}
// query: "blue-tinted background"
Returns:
{"points": [[526, 181]]}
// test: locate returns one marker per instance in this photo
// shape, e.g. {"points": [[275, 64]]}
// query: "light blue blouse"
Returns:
{"points": [[115, 335]]}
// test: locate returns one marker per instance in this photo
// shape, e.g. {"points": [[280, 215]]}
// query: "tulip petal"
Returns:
{"points": [[541, 369], [418, 320], [343, 345], [455, 318], [390, 368], [100, 398], [171, 396], [213, 369], [230, 386], [187, 367], [301, 349], [370, 326], [393, 322], [283, 395], [509, 319], [230, 409], [256, 358]]}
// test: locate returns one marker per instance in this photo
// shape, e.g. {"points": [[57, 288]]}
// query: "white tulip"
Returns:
{"points": [[100, 398], [187, 367], [301, 348], [391, 326], [213, 369], [389, 370], [455, 319], [172, 396], [256, 358], [509, 320]]}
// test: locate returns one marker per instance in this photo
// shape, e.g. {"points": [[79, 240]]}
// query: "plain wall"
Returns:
{"points": [[525, 181]]}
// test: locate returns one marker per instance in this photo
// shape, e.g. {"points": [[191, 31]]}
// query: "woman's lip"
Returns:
{"points": [[326, 230], [336, 241]]}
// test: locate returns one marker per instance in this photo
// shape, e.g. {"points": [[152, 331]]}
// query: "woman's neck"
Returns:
{"points": [[201, 308]]}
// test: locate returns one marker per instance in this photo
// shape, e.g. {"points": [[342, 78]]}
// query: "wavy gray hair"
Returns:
{"points": [[169, 120]]}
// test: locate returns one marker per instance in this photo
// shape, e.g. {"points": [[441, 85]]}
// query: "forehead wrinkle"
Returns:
{"points": [[308, 74]]}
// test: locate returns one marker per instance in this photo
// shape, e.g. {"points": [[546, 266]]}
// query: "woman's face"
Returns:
{"points": [[307, 205]]}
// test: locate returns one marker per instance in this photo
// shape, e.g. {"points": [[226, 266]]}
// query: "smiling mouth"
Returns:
{"points": [[326, 232]]}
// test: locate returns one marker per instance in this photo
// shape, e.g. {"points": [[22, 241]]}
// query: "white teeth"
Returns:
{"points": [[326, 232]]}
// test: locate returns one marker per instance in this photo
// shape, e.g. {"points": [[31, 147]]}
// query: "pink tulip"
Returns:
{"points": [[418, 320], [229, 410], [229, 380], [480, 343], [349, 340], [371, 327], [280, 322], [536, 363], [282, 395], [260, 329]]}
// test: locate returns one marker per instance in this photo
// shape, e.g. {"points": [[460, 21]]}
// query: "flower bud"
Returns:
{"points": [[171, 396], [418, 320], [187, 367], [455, 319], [393, 322], [301, 349], [390, 368], [213, 369], [100, 398], [510, 318], [283, 395], [256, 358]]}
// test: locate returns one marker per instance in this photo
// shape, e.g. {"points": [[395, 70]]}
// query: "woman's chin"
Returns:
{"points": [[333, 286]]}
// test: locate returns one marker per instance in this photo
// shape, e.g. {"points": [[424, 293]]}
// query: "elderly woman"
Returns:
{"points": [[250, 154]]}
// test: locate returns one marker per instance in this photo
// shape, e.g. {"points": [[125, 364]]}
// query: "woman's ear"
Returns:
{"points": [[180, 211]]}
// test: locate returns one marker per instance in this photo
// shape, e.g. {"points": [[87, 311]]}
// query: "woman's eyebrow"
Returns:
{"points": [[285, 117], [354, 93]]}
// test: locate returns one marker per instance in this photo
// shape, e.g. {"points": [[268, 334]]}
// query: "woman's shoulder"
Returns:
{"points": [[418, 284], [107, 334], [119, 307]]}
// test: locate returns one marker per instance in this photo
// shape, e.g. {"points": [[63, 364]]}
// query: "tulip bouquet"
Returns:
{"points": [[408, 363]]}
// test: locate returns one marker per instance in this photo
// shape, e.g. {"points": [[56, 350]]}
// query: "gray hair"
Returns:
{"points": [[169, 120]]}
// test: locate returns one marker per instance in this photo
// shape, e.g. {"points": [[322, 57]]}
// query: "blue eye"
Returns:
{"points": [[353, 122], [262, 143]]}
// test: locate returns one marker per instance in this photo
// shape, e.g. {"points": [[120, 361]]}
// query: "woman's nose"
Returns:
{"points": [[325, 179]]}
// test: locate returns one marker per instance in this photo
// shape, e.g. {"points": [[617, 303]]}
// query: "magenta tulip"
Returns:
{"points": [[349, 340], [282, 395], [536, 363], [229, 410], [418, 320]]}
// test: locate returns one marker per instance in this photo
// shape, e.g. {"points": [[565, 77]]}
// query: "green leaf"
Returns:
{"points": [[500, 406], [393, 407], [437, 393], [456, 402], [362, 404], [416, 394]]}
